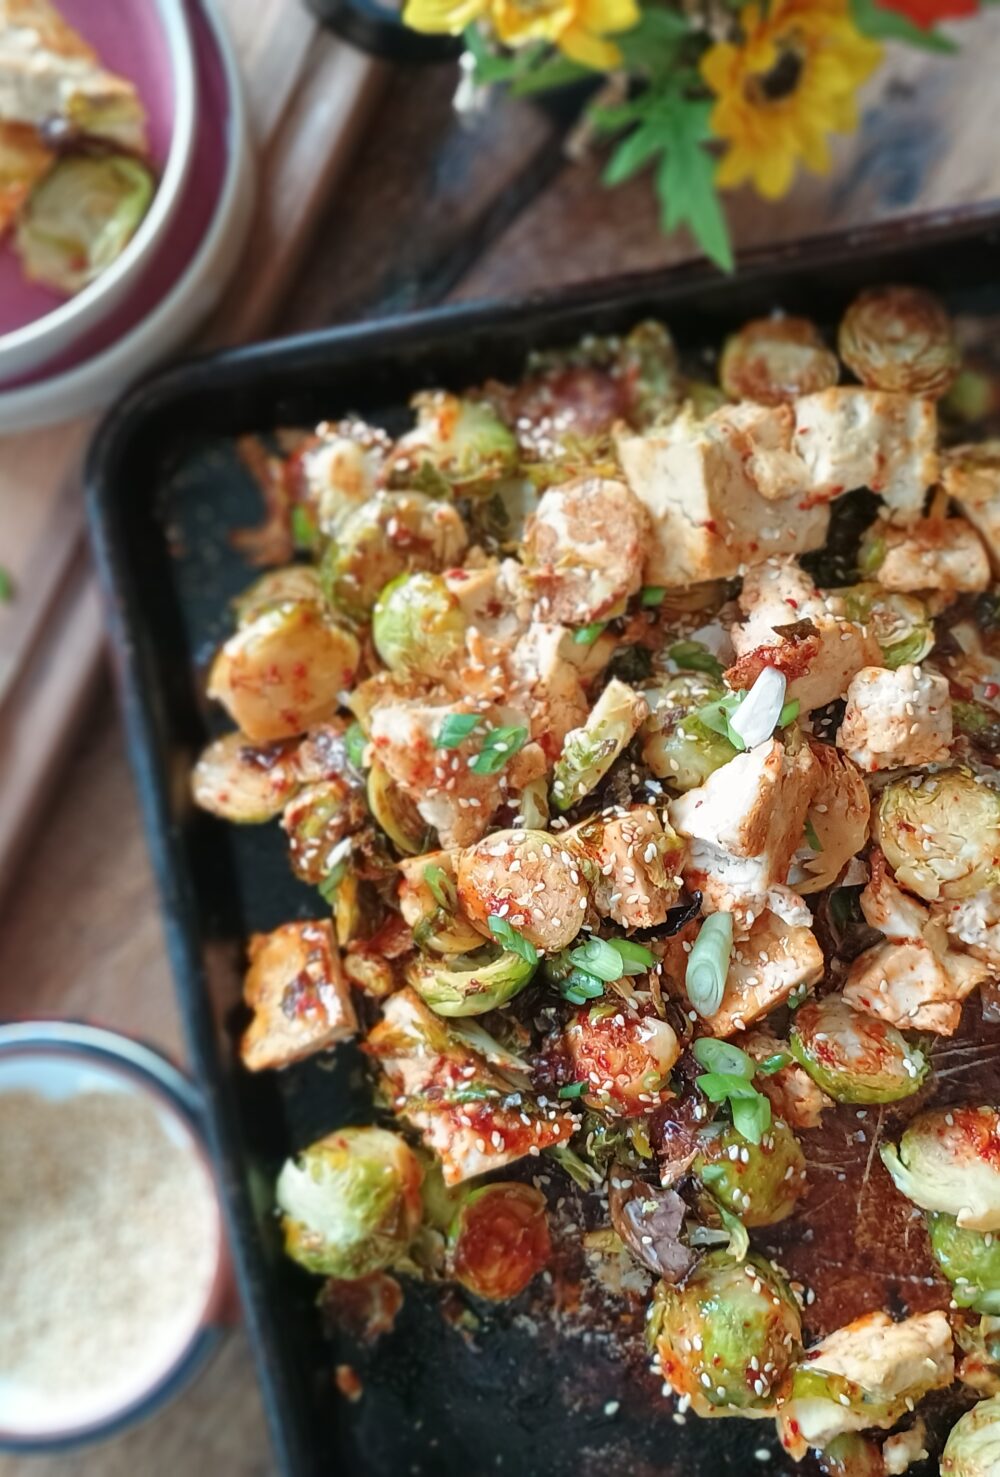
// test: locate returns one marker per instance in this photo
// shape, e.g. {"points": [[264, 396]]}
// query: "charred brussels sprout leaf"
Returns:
{"points": [[940, 833], [351, 1202], [728, 1336], [973, 1445], [589, 752], [970, 1260], [899, 339], [759, 1183], [499, 1240], [80, 218], [470, 984], [418, 625], [854, 1056]]}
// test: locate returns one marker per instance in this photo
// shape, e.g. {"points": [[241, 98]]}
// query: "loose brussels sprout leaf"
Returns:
{"points": [[389, 535], [243, 782], [499, 1240], [901, 624], [351, 1202], [901, 339], [80, 218], [760, 1183], [470, 984], [395, 813], [418, 625], [317, 822], [774, 360], [973, 1445], [676, 744], [458, 446], [970, 1260], [853, 1056], [949, 1160], [728, 1336], [589, 752], [283, 671], [649, 1221], [294, 582], [941, 833]]}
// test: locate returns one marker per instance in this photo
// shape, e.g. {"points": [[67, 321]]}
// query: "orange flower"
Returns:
{"points": [[787, 85]]}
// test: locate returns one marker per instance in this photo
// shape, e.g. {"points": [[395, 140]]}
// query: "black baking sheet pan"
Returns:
{"points": [[556, 1384]]}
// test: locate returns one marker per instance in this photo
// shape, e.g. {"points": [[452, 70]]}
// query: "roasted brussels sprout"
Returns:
{"points": [[854, 1056], [277, 587], [499, 1239], [901, 624], [760, 1183], [244, 782], [970, 1260], [418, 625], [396, 813], [622, 1060], [428, 900], [648, 374], [949, 1160], [941, 833], [389, 535], [470, 984], [973, 1445], [80, 218], [283, 671], [774, 360], [676, 744], [899, 338], [852, 1455], [589, 752], [351, 1202], [458, 446], [316, 821], [728, 1336]]}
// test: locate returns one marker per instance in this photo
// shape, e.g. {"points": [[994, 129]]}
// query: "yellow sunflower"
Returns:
{"points": [[577, 27], [784, 88]]}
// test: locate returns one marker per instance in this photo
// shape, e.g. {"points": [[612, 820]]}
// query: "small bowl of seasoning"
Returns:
{"points": [[114, 1268]]}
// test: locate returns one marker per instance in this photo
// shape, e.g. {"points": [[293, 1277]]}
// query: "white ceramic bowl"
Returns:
{"points": [[25, 348], [157, 316]]}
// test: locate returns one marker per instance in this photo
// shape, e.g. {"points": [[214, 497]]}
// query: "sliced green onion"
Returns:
{"points": [[692, 656], [578, 987], [775, 1063], [355, 745], [507, 935], [573, 1089], [751, 1116], [739, 1240], [636, 958], [725, 1087], [499, 746], [440, 886], [812, 840], [789, 712], [600, 958], [305, 533], [455, 729], [719, 1056], [587, 635], [652, 595], [717, 716], [708, 963]]}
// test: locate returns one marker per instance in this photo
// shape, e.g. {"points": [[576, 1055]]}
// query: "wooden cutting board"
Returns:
{"points": [[309, 96]]}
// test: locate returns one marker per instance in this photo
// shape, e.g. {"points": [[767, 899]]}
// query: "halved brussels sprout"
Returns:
{"points": [[283, 671], [774, 360], [277, 587], [949, 1160], [941, 833], [970, 1260], [470, 984], [499, 1239], [899, 338], [648, 374], [418, 625], [316, 821], [387, 536], [760, 1183], [428, 900], [458, 446], [676, 745], [973, 1445], [351, 1202], [396, 813], [589, 752], [901, 624], [854, 1056], [244, 782], [80, 217], [728, 1336], [852, 1455], [623, 1060]]}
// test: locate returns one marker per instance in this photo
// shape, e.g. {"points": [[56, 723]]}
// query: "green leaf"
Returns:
{"points": [[631, 155], [652, 45], [500, 745], [507, 934], [874, 20], [587, 635], [6, 586], [573, 1089], [692, 656], [685, 179], [455, 729], [556, 71]]}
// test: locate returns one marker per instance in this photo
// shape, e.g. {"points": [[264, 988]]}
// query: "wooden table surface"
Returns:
{"points": [[429, 209]]}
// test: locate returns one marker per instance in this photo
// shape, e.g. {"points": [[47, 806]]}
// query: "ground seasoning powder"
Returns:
{"points": [[108, 1247]]}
